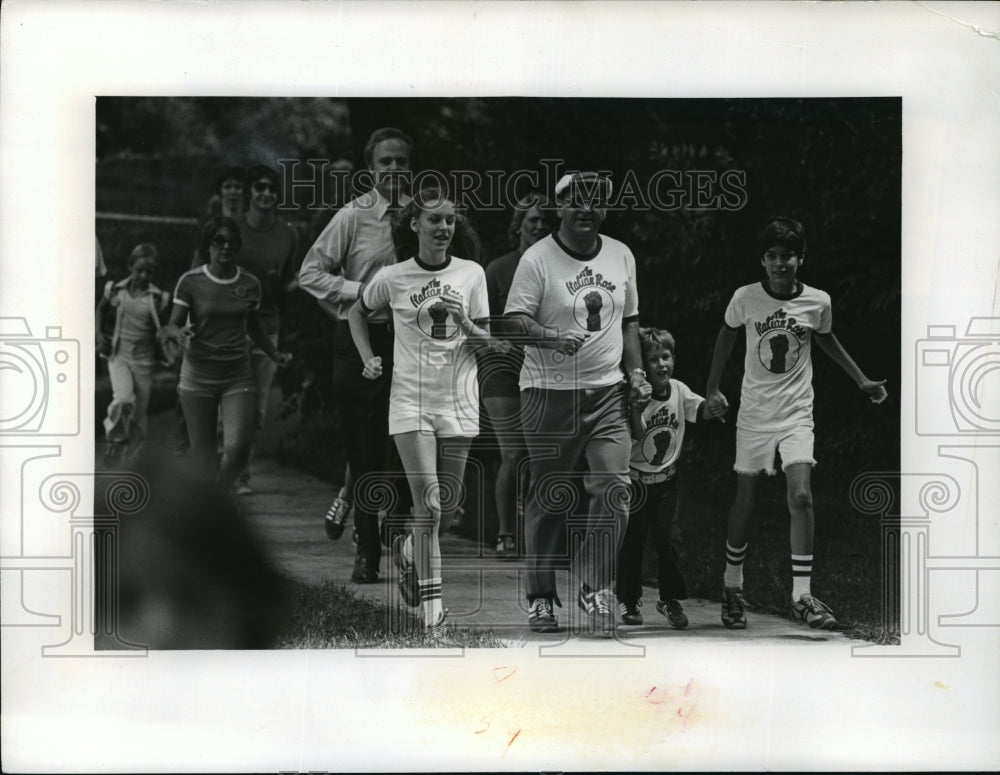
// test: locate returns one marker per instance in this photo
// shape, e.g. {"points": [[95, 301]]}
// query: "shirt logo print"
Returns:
{"points": [[780, 342]]}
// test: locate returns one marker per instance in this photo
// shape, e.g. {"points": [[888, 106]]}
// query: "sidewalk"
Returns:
{"points": [[288, 507]]}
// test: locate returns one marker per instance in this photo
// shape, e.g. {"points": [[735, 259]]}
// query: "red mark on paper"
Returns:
{"points": [[688, 687], [510, 743], [503, 673], [483, 721], [659, 697], [686, 715]]}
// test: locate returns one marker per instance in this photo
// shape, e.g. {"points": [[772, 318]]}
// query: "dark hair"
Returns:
{"points": [[230, 173], [783, 231], [209, 230], [255, 173], [386, 133], [464, 244], [521, 208], [142, 250], [660, 336]]}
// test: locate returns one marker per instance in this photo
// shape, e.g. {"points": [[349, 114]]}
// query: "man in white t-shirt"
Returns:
{"points": [[782, 316], [574, 298]]}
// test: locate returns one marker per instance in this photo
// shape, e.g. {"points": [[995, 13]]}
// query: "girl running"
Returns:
{"points": [[439, 311], [131, 351]]}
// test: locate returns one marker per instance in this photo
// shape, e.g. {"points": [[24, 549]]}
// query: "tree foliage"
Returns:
{"points": [[834, 164]]}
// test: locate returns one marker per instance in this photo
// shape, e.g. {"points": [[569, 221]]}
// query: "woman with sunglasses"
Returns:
{"points": [[222, 300]]}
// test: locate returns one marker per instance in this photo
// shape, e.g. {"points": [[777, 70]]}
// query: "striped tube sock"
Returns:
{"points": [[802, 565], [734, 565], [430, 595]]}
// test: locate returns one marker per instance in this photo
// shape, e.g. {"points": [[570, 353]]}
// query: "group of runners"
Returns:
{"points": [[547, 339]]}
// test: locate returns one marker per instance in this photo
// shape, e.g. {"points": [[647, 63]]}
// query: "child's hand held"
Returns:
{"points": [[373, 368], [717, 405]]}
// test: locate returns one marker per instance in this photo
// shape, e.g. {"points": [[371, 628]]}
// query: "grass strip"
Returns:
{"points": [[331, 615]]}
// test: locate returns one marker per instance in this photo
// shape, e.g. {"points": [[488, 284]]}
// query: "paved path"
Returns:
{"points": [[287, 507]]}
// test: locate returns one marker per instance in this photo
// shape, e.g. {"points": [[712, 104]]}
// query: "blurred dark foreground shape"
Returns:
{"points": [[191, 574]]}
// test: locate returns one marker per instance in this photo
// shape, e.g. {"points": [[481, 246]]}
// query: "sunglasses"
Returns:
{"points": [[260, 188], [221, 240]]}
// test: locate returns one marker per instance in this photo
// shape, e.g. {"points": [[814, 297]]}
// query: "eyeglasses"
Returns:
{"points": [[221, 240], [260, 188]]}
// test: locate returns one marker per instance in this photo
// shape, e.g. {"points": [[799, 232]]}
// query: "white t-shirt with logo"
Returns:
{"points": [[663, 423], [777, 388], [434, 369], [569, 293]]}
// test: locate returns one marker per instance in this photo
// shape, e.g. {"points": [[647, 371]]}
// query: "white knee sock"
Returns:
{"points": [[734, 565]]}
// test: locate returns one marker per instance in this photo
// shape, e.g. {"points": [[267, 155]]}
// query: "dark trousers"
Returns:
{"points": [[654, 512], [364, 423], [575, 436]]}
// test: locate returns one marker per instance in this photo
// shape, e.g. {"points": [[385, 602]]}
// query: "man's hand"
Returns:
{"points": [[640, 402], [874, 389], [640, 391], [283, 359], [568, 343]]}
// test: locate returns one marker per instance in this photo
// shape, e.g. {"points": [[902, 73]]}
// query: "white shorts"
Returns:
{"points": [[441, 425], [755, 449]]}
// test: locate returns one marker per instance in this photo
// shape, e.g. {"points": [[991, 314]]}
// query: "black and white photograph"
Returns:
{"points": [[534, 401], [698, 199]]}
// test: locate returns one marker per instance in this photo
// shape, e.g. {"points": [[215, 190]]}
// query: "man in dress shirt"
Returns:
{"points": [[353, 247]]}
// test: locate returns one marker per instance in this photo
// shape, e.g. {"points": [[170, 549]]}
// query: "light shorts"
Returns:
{"points": [[441, 425], [202, 379], [755, 449]]}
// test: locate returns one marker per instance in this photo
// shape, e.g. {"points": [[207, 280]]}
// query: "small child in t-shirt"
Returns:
{"points": [[131, 351], [657, 436]]}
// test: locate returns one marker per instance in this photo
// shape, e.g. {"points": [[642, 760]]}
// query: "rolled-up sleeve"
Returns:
{"points": [[321, 273]]}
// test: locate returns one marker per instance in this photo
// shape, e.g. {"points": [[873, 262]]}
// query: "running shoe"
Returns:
{"points": [[674, 612], [630, 613], [605, 611], [336, 518], [813, 612], [541, 617], [733, 608]]}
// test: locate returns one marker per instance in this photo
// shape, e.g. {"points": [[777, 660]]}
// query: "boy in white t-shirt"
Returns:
{"points": [[657, 426], [781, 316]]}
